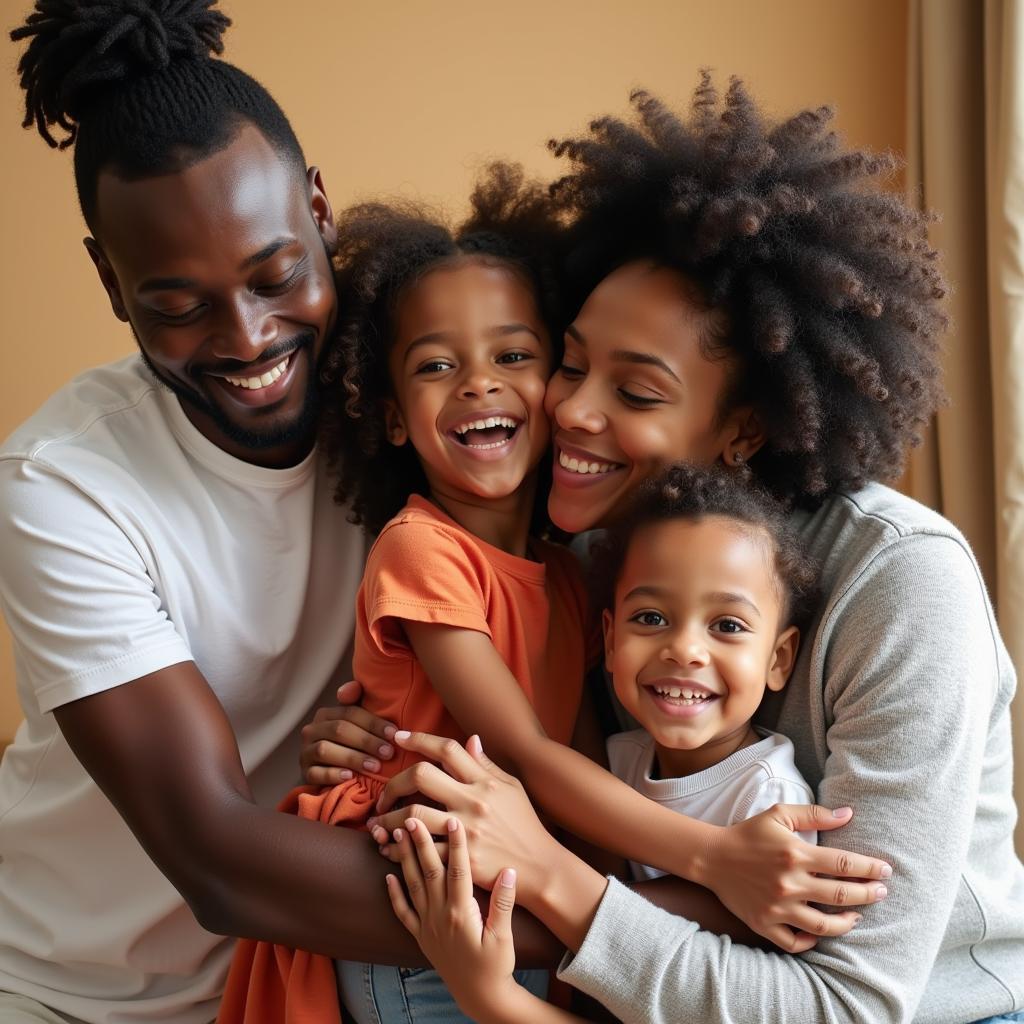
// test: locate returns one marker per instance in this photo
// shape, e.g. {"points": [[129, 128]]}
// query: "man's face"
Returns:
{"points": [[223, 272]]}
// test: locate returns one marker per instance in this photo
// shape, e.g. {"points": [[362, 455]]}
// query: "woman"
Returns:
{"points": [[755, 304]]}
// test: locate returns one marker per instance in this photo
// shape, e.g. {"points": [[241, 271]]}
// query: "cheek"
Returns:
{"points": [[556, 392]]}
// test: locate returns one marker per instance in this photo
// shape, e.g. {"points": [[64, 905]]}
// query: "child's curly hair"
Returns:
{"points": [[693, 493], [382, 250], [829, 286]]}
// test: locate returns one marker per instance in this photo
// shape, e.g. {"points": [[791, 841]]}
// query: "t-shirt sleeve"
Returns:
{"points": [[420, 572], [81, 606], [766, 793]]}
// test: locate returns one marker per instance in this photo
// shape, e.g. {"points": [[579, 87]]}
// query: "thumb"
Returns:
{"points": [[503, 900], [350, 692], [814, 817]]}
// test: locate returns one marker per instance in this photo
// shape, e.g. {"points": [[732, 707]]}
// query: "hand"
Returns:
{"points": [[475, 959], [495, 811], [767, 876], [343, 740]]}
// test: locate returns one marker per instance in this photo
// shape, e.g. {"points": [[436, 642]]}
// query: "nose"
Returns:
{"points": [[686, 647], [242, 331], [479, 381], [579, 411]]}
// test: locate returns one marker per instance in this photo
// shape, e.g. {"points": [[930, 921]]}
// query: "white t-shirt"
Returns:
{"points": [[128, 543], [743, 785]]}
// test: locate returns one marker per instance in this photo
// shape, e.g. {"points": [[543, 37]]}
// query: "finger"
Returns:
{"points": [[460, 875], [434, 819], [430, 864], [349, 727], [350, 692], [400, 905], [503, 901], [789, 940], [809, 921], [839, 892], [411, 871], [424, 778], [845, 865], [316, 775], [390, 852], [449, 753]]}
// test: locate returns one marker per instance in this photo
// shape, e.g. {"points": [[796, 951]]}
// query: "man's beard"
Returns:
{"points": [[279, 434]]}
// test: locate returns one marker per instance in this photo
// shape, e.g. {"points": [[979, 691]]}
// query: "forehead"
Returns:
{"points": [[683, 556], [224, 207], [448, 296]]}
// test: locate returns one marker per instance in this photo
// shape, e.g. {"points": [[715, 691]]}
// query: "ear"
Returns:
{"points": [[107, 278], [320, 207], [783, 658], [742, 436], [394, 423], [608, 625]]}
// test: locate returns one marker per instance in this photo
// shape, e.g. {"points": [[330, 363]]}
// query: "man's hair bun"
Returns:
{"points": [[79, 46]]}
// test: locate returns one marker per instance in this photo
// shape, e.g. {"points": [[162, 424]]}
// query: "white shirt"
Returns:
{"points": [[128, 543], [746, 783]]}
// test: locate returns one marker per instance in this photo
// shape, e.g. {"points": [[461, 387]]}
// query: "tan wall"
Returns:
{"points": [[410, 97]]}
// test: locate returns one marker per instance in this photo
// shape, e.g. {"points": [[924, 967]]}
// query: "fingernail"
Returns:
{"points": [[389, 732], [402, 734], [453, 824], [886, 871], [411, 824], [881, 892], [371, 765], [508, 877], [398, 835], [857, 918], [385, 750], [380, 835], [344, 774], [842, 812]]}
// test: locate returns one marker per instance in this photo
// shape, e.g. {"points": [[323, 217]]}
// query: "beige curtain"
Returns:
{"points": [[965, 158]]}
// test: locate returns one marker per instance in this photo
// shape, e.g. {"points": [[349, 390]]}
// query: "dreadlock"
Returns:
{"points": [[383, 250], [828, 288], [132, 85]]}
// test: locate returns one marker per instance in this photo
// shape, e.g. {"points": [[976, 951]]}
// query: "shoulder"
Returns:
{"points": [[421, 533], [626, 750]]}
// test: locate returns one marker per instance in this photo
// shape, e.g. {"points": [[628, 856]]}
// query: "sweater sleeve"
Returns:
{"points": [[912, 672]]}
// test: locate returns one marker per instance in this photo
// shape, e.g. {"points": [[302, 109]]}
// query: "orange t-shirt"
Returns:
{"points": [[424, 567]]}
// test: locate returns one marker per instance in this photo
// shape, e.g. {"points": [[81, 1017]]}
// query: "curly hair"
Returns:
{"points": [[826, 287], [693, 493], [384, 249]]}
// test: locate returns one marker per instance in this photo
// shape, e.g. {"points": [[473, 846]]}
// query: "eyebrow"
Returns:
{"points": [[168, 284], [717, 597], [503, 331], [622, 355]]}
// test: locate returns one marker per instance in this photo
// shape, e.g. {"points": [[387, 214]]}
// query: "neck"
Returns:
{"points": [[281, 456], [501, 522], [674, 763]]}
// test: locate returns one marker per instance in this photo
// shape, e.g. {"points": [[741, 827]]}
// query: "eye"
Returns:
{"points": [[649, 617], [434, 366], [517, 356], [277, 287], [638, 401], [177, 318], [730, 626], [571, 372]]}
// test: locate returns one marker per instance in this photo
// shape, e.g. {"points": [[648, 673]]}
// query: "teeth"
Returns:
{"points": [[491, 421], [580, 466], [264, 380], [685, 693]]}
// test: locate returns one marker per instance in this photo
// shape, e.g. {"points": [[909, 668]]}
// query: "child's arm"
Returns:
{"points": [[474, 958], [747, 865]]}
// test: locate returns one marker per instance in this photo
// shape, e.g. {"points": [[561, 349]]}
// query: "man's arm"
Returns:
{"points": [[163, 752]]}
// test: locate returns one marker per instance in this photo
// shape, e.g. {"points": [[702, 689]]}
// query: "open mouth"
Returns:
{"points": [[264, 380], [683, 696], [489, 432], [585, 467]]}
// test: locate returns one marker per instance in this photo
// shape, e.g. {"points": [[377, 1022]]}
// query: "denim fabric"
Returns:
{"points": [[374, 994], [1017, 1017]]}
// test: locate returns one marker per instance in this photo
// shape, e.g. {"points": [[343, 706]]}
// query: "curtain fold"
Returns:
{"points": [[965, 158]]}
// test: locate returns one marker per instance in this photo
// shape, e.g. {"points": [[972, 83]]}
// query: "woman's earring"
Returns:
{"points": [[737, 458]]}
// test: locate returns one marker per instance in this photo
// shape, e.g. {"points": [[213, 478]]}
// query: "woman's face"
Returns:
{"points": [[635, 392]]}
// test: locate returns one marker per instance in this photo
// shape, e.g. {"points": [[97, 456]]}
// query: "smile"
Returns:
{"points": [[583, 467], [684, 695], [262, 381], [486, 433]]}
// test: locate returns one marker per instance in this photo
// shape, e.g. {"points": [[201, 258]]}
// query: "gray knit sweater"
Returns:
{"points": [[898, 707]]}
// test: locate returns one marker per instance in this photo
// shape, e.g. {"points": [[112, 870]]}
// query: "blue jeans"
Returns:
{"points": [[374, 994], [1017, 1017]]}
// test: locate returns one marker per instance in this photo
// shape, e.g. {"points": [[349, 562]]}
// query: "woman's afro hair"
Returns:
{"points": [[384, 249], [829, 285]]}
